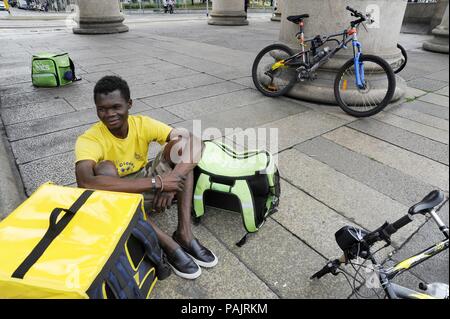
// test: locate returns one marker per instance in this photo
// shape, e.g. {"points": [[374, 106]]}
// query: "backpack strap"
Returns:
{"points": [[243, 240], [54, 230], [122, 284], [72, 67], [144, 232]]}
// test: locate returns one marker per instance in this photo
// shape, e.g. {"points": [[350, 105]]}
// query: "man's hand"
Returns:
{"points": [[172, 182], [163, 200]]}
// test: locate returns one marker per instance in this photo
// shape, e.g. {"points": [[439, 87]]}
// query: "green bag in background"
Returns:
{"points": [[52, 70]]}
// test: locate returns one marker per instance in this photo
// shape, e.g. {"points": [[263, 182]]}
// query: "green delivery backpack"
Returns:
{"points": [[247, 183], [52, 70]]}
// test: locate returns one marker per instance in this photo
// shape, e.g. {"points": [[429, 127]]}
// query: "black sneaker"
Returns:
{"points": [[199, 253], [183, 265]]}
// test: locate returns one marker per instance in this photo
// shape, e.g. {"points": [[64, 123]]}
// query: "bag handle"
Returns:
{"points": [[54, 229]]}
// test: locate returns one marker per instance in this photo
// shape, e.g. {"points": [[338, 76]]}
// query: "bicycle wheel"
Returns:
{"points": [[402, 63], [271, 77], [378, 90]]}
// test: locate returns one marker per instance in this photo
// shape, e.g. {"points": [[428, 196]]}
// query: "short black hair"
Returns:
{"points": [[110, 83]]}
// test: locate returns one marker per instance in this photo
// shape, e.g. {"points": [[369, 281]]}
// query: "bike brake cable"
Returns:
{"points": [[364, 25]]}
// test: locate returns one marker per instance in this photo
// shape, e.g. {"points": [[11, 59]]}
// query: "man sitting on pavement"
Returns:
{"points": [[112, 155]]}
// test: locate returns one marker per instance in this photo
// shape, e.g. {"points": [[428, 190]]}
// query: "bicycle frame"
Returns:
{"points": [[348, 36], [394, 291]]}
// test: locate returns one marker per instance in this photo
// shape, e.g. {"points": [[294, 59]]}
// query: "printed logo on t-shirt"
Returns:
{"points": [[126, 167], [138, 156]]}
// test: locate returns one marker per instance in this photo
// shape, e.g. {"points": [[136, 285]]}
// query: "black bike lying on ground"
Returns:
{"points": [[402, 62], [363, 86], [357, 243]]}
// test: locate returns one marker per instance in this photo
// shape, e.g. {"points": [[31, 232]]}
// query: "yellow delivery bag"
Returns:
{"points": [[65, 242]]}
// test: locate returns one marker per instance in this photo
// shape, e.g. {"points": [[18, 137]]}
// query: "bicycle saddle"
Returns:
{"points": [[297, 19], [428, 203]]}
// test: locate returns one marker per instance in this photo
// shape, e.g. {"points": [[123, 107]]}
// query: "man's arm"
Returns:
{"points": [[186, 153], [86, 178]]}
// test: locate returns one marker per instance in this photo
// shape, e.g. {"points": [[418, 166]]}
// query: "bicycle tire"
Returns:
{"points": [[256, 82], [385, 101], [405, 59]]}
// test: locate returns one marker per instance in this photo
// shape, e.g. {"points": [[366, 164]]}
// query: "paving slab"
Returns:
{"points": [[13, 100], [172, 85], [398, 186], [15, 79], [402, 138], [246, 81], [435, 99], [413, 93], [23, 113], [11, 189], [17, 88], [249, 116], [215, 104], [59, 169], [411, 72], [49, 144], [291, 130], [352, 199], [70, 120], [432, 133], [428, 171], [443, 91], [419, 117], [93, 77], [309, 220], [282, 261], [440, 76], [425, 84], [194, 94], [427, 108], [93, 61], [230, 278]]}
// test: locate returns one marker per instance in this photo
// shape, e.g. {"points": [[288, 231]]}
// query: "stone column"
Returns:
{"points": [[330, 16], [440, 41], [99, 17], [277, 14], [228, 12], [439, 13]]}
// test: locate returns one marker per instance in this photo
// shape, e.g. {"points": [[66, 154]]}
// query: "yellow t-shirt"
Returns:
{"points": [[128, 154]]}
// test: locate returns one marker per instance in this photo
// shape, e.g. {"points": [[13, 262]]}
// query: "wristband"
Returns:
{"points": [[162, 183]]}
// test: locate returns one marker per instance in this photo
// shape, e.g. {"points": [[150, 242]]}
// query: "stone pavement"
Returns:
{"points": [[336, 169]]}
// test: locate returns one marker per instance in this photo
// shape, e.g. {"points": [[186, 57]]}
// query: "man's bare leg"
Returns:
{"points": [[184, 203]]}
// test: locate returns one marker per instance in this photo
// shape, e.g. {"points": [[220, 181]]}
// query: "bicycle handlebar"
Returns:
{"points": [[384, 232], [355, 12], [331, 266], [351, 9]]}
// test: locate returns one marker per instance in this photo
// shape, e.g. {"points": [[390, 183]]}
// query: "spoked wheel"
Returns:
{"points": [[270, 76], [400, 65], [375, 93]]}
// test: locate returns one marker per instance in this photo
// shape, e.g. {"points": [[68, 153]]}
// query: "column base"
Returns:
{"points": [[228, 18], [105, 25], [276, 17], [440, 42]]}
